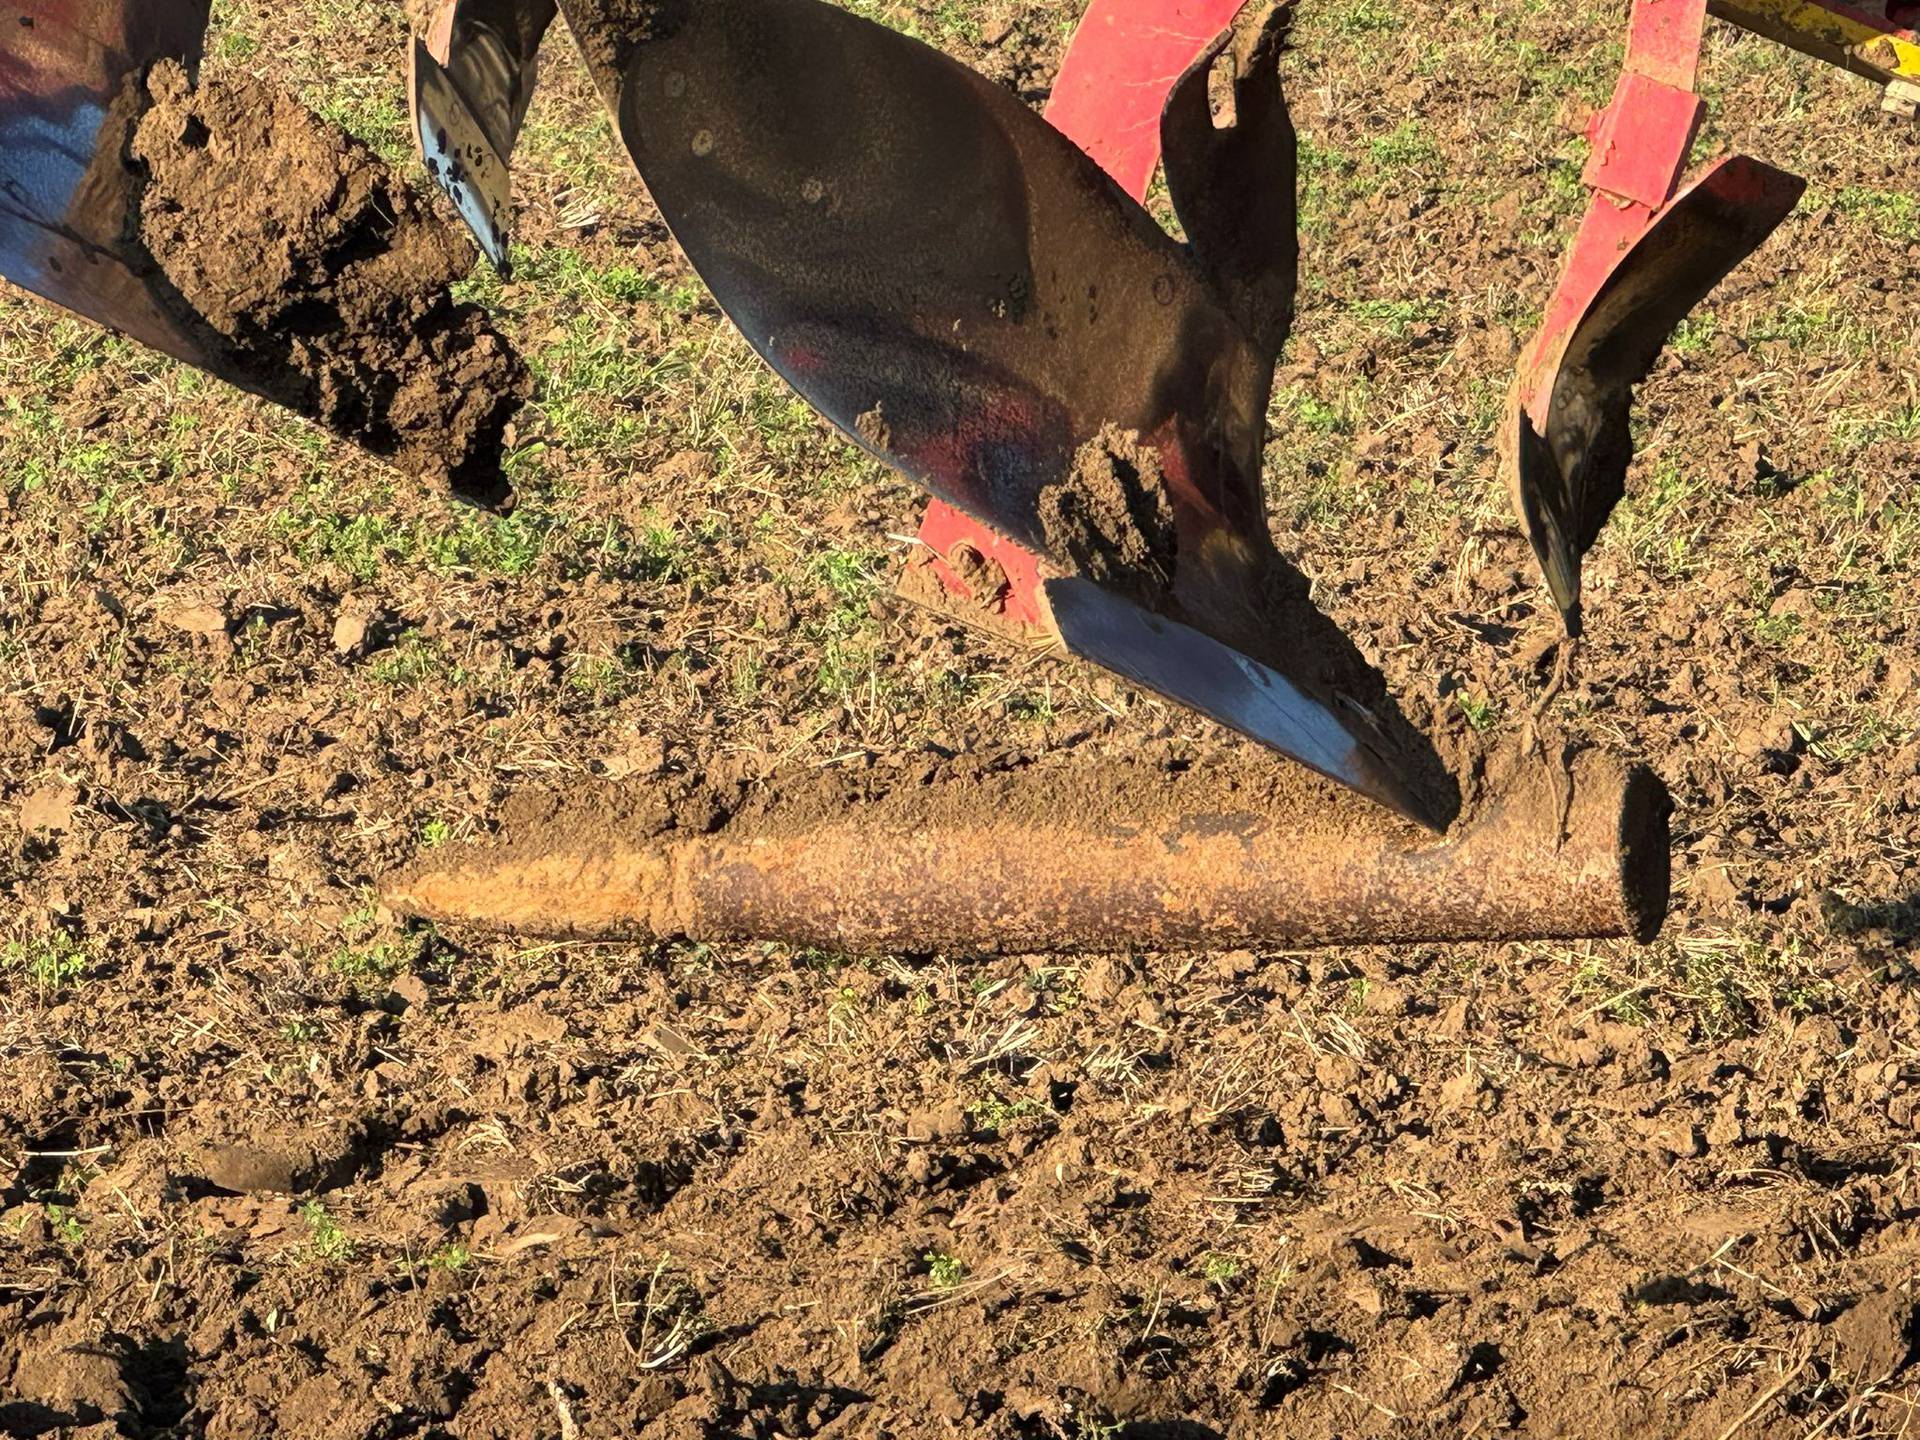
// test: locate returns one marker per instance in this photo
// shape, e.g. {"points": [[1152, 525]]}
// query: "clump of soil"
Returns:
{"points": [[278, 1163], [1112, 519], [325, 276], [1150, 790], [1156, 789], [984, 577], [874, 429]]}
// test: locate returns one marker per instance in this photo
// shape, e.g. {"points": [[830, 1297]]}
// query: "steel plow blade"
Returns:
{"points": [[1199, 672], [1235, 186], [934, 267], [1570, 423], [965, 294], [472, 78], [70, 79]]}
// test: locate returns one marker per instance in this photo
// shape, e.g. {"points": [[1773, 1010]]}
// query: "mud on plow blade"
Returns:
{"points": [[964, 290], [1655, 242], [965, 294], [71, 77], [223, 223]]}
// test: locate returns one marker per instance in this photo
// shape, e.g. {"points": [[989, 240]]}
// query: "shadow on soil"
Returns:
{"points": [[1899, 919]]}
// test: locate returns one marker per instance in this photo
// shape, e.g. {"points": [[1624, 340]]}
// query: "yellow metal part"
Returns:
{"points": [[1827, 34]]}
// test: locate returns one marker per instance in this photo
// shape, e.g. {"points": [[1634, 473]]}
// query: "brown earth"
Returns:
{"points": [[1605, 1189], [330, 285], [1111, 518]]}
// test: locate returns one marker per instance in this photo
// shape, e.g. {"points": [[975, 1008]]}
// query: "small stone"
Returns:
{"points": [[1714, 886], [1104, 979], [349, 632], [49, 809], [195, 618]]}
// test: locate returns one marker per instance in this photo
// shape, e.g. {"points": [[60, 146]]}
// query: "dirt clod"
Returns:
{"points": [[280, 1164], [1112, 518], [79, 1382], [873, 428], [325, 276]]}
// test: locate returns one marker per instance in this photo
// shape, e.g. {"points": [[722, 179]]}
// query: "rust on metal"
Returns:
{"points": [[1070, 863]]}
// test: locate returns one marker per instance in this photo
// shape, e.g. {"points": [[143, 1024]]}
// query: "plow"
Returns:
{"points": [[976, 294]]}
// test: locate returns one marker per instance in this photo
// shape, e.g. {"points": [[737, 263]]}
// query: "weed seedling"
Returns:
{"points": [[1482, 713], [944, 1271], [50, 963], [325, 1239], [991, 1113], [1219, 1270], [65, 1225]]}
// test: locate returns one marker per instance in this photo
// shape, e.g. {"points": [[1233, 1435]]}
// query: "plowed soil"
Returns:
{"points": [[325, 277], [273, 1163]]}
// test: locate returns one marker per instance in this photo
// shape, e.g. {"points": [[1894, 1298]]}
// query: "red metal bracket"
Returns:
{"points": [[1107, 99], [1114, 82], [974, 563], [1651, 246], [1641, 142]]}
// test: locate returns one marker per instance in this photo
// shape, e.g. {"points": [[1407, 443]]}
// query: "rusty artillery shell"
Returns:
{"points": [[1563, 854]]}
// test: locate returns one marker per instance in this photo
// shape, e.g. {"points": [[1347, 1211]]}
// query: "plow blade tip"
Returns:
{"points": [[461, 161], [1570, 471], [1258, 702]]}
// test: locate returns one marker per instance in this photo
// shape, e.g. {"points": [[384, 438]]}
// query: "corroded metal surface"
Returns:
{"points": [[70, 77], [1565, 855]]}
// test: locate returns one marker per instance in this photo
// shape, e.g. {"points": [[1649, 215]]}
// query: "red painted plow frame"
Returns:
{"points": [[1107, 99]]}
